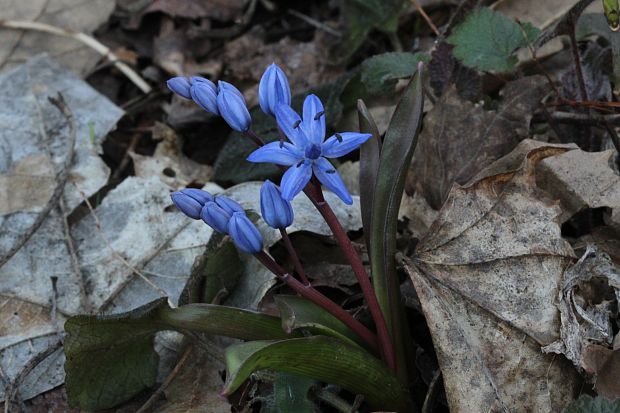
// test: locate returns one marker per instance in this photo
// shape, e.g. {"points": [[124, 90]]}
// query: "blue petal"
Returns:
{"points": [[289, 121], [186, 204], [273, 153], [180, 85], [295, 179], [198, 194], [273, 89], [276, 211], [229, 205], [314, 120], [231, 106], [215, 216], [204, 93], [327, 174], [244, 233], [333, 148]]}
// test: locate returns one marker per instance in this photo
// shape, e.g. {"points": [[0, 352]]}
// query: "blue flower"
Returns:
{"points": [[276, 211], [244, 233], [204, 93], [215, 216], [231, 106], [308, 151], [273, 89], [229, 205], [187, 204], [180, 85], [198, 194]]}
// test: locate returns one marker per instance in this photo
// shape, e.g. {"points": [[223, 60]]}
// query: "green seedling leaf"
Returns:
{"points": [[299, 313], [380, 72], [487, 40], [596, 24], [398, 146], [322, 358], [370, 153], [110, 359], [587, 404]]}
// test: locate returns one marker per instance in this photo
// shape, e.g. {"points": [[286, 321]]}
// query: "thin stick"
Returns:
{"points": [[61, 180], [583, 119], [293, 254], [85, 39], [319, 299], [315, 193], [125, 161], [175, 371], [431, 395], [314, 23], [426, 18], [254, 138]]}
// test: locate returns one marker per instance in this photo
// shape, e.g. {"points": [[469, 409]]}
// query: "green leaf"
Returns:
{"points": [[380, 72], [487, 40], [299, 313], [291, 393], [399, 144], [370, 153], [321, 358], [110, 359], [587, 404]]}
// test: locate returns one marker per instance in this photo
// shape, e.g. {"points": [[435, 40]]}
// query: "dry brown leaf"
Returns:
{"points": [[460, 138], [79, 15], [487, 275]]}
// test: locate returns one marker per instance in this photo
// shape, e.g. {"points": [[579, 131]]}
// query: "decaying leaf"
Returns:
{"points": [[460, 138], [79, 15], [487, 275]]}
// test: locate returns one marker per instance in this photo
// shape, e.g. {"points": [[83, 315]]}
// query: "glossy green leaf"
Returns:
{"points": [[322, 358], [587, 404], [110, 359], [380, 72], [398, 147], [487, 40], [290, 393], [370, 153], [299, 313]]}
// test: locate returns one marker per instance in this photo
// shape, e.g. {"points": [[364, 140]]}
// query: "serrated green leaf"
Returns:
{"points": [[110, 359], [322, 358], [380, 72], [300, 313], [587, 404], [487, 40], [398, 146]]}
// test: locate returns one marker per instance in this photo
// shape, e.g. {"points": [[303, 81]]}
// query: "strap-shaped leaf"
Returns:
{"points": [[110, 359], [299, 313], [396, 152], [370, 153], [322, 358]]}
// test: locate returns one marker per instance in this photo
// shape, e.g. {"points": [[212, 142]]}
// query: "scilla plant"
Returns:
{"points": [[314, 337]]}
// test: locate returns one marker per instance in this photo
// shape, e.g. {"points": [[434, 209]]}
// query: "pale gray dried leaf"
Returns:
{"points": [[460, 138], [418, 212], [34, 137], [17, 46], [581, 180], [487, 275], [540, 13]]}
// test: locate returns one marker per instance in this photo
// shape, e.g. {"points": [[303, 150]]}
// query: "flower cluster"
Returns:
{"points": [[222, 214], [305, 154]]}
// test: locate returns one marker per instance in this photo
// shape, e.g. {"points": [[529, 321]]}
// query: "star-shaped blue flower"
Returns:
{"points": [[308, 150]]}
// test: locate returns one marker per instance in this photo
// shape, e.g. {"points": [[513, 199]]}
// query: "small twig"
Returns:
{"points": [[61, 180], [315, 23], [426, 18], [85, 39], [11, 392], [583, 119], [433, 391], [125, 161], [160, 390]]}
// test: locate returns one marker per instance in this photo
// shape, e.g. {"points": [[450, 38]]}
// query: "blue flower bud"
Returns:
{"points": [[180, 85], [244, 233], [276, 211], [273, 89], [204, 93], [215, 217], [231, 105], [198, 194], [188, 205], [228, 205]]}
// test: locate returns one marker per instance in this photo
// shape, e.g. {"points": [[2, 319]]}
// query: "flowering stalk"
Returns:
{"points": [[294, 257], [319, 299], [315, 193]]}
